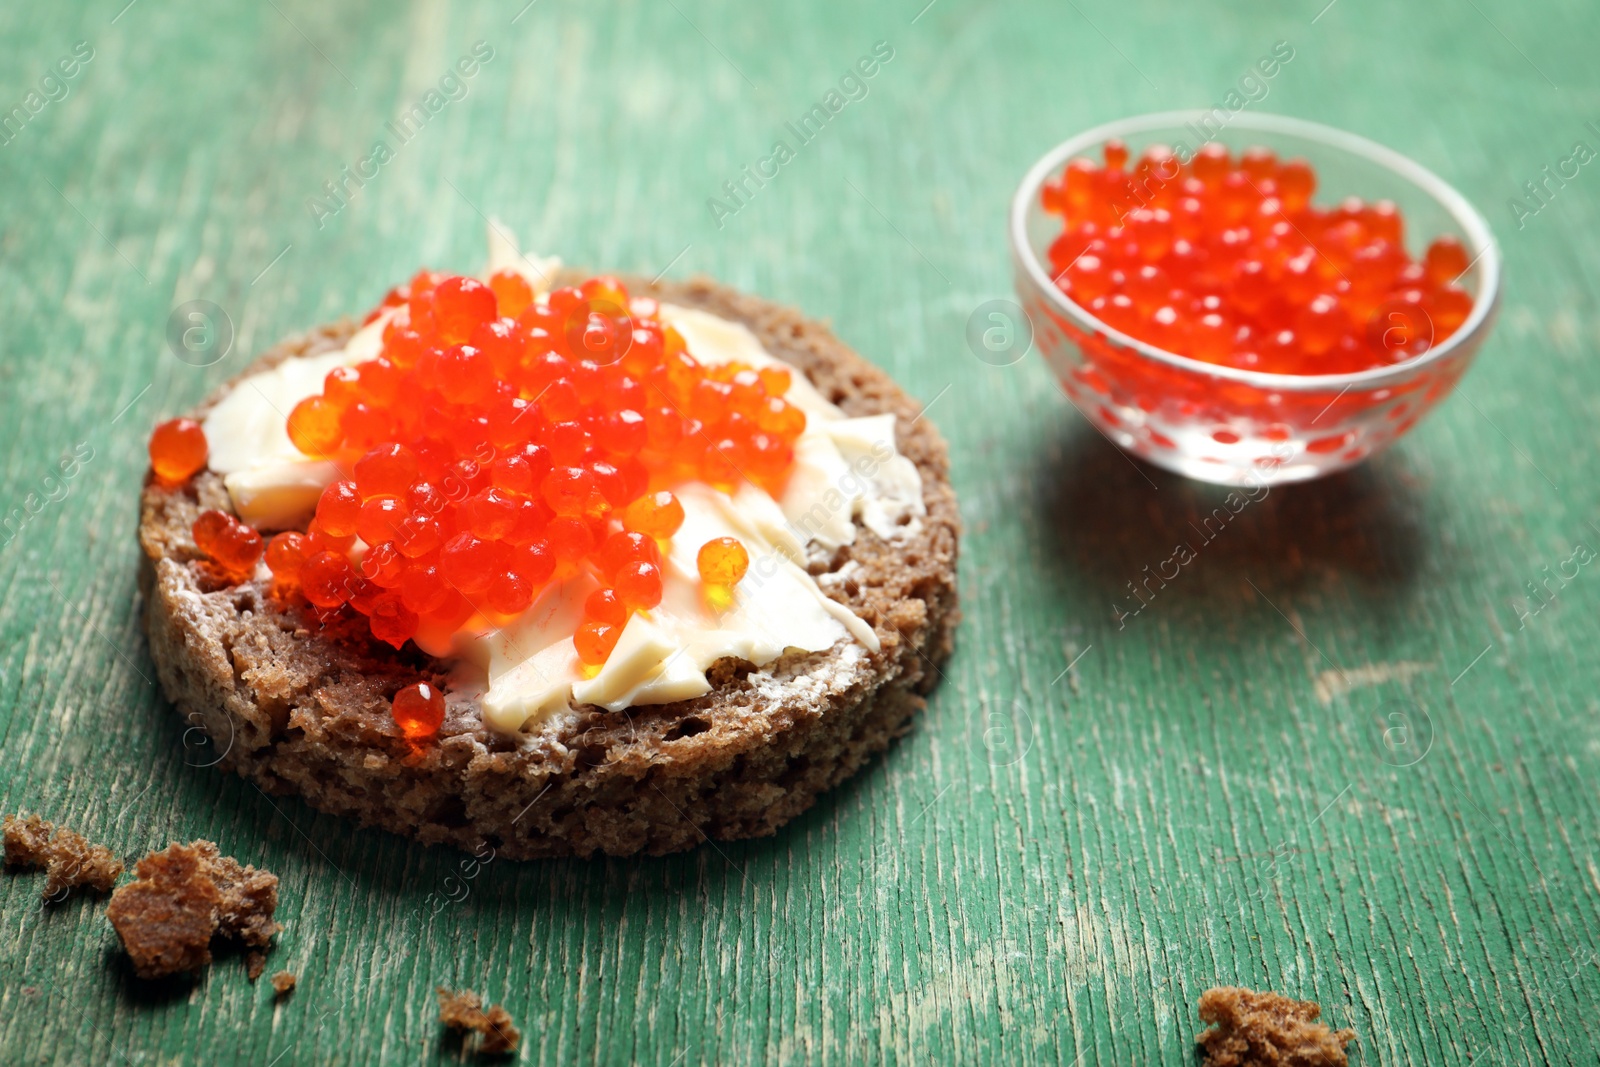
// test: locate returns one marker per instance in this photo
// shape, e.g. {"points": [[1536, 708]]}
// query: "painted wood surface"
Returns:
{"points": [[1341, 756]]}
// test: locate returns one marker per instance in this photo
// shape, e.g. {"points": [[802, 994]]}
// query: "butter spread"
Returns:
{"points": [[272, 483], [526, 666]]}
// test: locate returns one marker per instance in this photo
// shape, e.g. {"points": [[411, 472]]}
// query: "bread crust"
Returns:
{"points": [[300, 708]]}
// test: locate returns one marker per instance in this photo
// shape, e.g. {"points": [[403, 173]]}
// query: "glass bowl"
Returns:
{"points": [[1236, 426]]}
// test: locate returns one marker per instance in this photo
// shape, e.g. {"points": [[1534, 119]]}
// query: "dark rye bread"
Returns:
{"points": [[301, 708]]}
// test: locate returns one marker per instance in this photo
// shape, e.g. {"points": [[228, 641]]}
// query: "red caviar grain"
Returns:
{"points": [[178, 449], [468, 563], [565, 300], [391, 621], [603, 605], [418, 710], [514, 474], [417, 535], [460, 305], [238, 549], [655, 515], [664, 428], [363, 595], [568, 442], [314, 426], [511, 422], [423, 589], [609, 480], [569, 540], [645, 350], [380, 381], [568, 490], [776, 380], [387, 470], [320, 540], [638, 585], [364, 425], [1446, 260], [452, 612], [383, 566], [625, 433], [228, 542], [208, 529], [463, 374], [342, 385], [533, 519], [286, 552], [605, 289], [492, 514], [500, 343], [512, 292], [403, 346], [535, 561], [777, 416], [719, 463], [594, 642], [380, 520], [722, 561], [620, 549], [326, 579], [510, 593]]}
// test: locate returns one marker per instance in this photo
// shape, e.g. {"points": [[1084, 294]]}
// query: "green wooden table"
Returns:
{"points": [[1345, 756]]}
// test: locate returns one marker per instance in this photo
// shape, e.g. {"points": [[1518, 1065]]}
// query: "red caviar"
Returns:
{"points": [[499, 442], [229, 543], [594, 641], [655, 515], [1226, 260], [723, 561], [178, 449], [418, 710], [286, 552]]}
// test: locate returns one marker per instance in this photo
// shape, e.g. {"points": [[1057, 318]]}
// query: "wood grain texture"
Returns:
{"points": [[1057, 861]]}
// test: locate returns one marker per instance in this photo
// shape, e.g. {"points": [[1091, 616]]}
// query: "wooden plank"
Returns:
{"points": [[1059, 859]]}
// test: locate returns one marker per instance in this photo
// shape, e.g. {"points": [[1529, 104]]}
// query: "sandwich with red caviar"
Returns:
{"points": [[554, 563]]}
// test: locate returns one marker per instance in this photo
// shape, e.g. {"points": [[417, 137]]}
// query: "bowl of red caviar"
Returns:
{"points": [[1266, 301]]}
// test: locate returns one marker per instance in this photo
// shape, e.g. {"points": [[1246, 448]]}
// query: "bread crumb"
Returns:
{"points": [[1251, 1029], [464, 1011], [249, 897], [502, 1034], [68, 858], [460, 1011], [254, 963], [182, 898], [283, 983]]}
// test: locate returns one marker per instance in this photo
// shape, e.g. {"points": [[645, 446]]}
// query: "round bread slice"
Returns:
{"points": [[299, 707]]}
